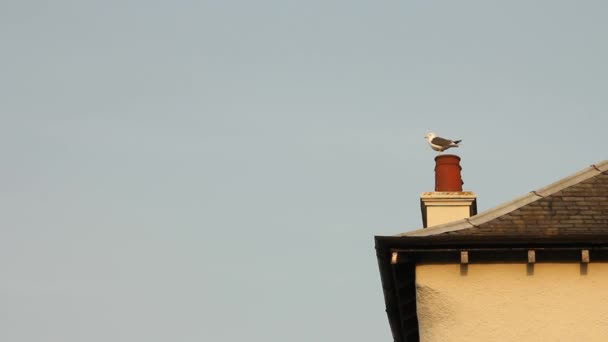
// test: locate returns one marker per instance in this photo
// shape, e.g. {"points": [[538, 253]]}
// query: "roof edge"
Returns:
{"points": [[515, 204]]}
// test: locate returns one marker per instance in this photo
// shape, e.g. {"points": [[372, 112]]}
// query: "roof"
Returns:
{"points": [[559, 220], [575, 205]]}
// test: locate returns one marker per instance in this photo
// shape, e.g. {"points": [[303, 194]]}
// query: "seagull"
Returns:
{"points": [[440, 144]]}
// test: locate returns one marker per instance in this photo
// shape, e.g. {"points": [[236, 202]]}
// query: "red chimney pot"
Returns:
{"points": [[447, 173]]}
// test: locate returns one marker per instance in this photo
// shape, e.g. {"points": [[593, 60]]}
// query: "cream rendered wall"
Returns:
{"points": [[443, 214], [509, 302]]}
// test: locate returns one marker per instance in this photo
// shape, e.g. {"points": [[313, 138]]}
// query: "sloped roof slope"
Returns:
{"points": [[570, 213], [575, 205]]}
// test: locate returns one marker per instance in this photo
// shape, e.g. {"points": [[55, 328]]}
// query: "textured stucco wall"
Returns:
{"points": [[511, 302]]}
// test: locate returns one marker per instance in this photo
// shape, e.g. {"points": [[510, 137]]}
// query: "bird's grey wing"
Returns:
{"points": [[441, 142]]}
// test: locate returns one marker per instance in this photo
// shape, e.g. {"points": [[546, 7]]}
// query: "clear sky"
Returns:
{"points": [[216, 170]]}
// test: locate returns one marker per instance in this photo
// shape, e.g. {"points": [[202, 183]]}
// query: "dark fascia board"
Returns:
{"points": [[386, 244], [390, 294], [463, 241]]}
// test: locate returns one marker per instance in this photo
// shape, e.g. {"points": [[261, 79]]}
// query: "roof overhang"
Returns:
{"points": [[398, 257]]}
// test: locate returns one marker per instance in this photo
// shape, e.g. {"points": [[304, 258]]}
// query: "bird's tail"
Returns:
{"points": [[457, 141]]}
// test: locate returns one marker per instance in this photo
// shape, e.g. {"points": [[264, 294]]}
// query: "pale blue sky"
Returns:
{"points": [[216, 170]]}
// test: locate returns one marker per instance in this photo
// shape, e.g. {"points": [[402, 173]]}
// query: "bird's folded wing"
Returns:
{"points": [[441, 142]]}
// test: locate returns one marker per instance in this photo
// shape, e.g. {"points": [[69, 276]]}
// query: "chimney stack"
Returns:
{"points": [[448, 202]]}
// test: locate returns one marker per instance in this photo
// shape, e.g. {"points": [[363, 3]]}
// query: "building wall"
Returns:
{"points": [[512, 302]]}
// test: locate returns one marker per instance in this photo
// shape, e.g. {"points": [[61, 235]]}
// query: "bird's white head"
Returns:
{"points": [[429, 136]]}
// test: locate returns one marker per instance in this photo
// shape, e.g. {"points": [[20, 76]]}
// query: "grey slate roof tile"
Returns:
{"points": [[578, 210]]}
